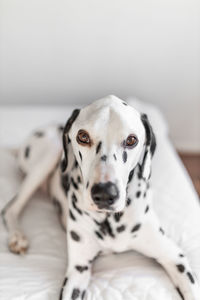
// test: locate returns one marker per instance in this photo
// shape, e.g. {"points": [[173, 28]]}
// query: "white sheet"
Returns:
{"points": [[38, 275]]}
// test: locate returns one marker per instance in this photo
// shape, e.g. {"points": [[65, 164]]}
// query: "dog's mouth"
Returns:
{"points": [[109, 210], [102, 205], [103, 208]]}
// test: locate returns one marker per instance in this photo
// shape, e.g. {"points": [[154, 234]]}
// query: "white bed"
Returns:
{"points": [[129, 276]]}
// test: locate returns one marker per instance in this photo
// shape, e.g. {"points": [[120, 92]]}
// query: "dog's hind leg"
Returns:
{"points": [[59, 195], [18, 243]]}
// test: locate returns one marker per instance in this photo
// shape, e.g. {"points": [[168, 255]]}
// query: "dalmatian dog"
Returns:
{"points": [[101, 182]]}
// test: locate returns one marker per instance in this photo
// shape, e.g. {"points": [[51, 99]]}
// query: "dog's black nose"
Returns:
{"points": [[104, 194]]}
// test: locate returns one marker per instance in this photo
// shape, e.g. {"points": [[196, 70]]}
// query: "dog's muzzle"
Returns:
{"points": [[104, 194]]}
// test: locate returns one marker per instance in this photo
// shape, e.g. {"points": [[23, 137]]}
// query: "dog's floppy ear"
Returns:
{"points": [[66, 140], [150, 146]]}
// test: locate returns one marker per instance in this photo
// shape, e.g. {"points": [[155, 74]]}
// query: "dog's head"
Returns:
{"points": [[108, 139]]}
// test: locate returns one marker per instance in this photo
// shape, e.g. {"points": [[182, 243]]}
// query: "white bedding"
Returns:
{"points": [[129, 276]]}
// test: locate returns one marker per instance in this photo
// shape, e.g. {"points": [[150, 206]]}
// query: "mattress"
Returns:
{"points": [[38, 274]]}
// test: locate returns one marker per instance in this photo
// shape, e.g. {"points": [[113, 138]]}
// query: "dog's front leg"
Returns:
{"points": [[82, 250], [151, 240]]}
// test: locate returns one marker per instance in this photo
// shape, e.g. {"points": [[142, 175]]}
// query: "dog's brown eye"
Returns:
{"points": [[131, 141], [83, 137]]}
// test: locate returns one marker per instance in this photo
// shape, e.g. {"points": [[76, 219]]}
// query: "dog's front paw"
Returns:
{"points": [[75, 294], [74, 286], [18, 243]]}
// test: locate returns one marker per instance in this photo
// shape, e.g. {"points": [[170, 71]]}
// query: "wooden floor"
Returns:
{"points": [[192, 164]]}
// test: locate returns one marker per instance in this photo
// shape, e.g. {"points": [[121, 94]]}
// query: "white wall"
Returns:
{"points": [[56, 51]]}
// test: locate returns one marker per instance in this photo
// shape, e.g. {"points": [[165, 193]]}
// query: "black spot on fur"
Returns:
{"points": [[141, 167], [65, 183], [65, 281], [27, 152], [121, 228], [79, 179], [75, 185], [105, 227], [150, 137], [99, 235], [117, 216], [181, 268], [74, 201], [130, 177], [136, 227], [96, 222], [146, 209], [128, 201], [63, 165], [161, 230], [98, 147], [75, 164], [140, 171], [67, 127], [124, 103], [181, 255], [80, 155], [87, 184], [68, 140], [75, 294], [75, 236], [138, 194], [180, 294], [83, 295], [190, 277], [81, 269], [150, 174], [71, 215], [75, 207], [95, 257], [39, 134], [124, 156], [115, 157], [104, 157], [62, 289]]}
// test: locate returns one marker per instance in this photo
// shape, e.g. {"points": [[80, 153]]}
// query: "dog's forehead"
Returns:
{"points": [[110, 114]]}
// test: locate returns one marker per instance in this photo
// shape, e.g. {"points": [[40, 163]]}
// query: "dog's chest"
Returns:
{"points": [[114, 232]]}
